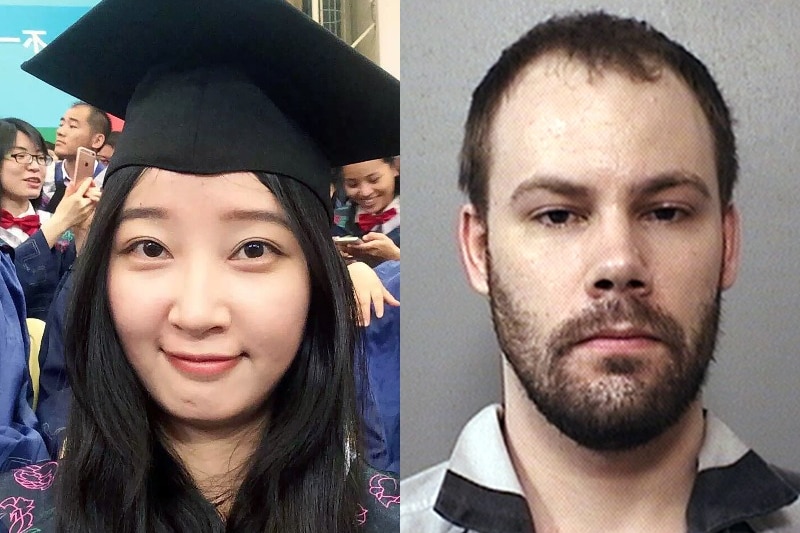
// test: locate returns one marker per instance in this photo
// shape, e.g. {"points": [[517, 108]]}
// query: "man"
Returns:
{"points": [[107, 150], [82, 125], [600, 162]]}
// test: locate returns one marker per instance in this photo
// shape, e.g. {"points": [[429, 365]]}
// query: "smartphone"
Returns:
{"points": [[349, 239], [84, 165]]}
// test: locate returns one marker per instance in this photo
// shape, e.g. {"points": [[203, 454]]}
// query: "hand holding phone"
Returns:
{"points": [[348, 239], [84, 168]]}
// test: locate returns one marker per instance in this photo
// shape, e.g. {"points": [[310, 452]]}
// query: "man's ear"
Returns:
{"points": [[731, 240], [98, 140], [473, 244]]}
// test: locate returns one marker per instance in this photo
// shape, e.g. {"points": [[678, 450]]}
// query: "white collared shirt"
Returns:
{"points": [[14, 236]]}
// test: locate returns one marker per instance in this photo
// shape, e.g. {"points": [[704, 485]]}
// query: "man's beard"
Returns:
{"points": [[618, 410]]}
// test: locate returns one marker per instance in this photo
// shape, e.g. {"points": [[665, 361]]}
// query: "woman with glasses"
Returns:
{"points": [[43, 247]]}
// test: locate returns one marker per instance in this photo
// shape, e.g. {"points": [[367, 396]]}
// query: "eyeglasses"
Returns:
{"points": [[24, 158]]}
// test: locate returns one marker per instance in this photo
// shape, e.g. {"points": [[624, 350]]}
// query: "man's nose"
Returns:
{"points": [[618, 262]]}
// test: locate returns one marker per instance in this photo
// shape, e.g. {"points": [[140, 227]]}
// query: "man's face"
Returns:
{"points": [[105, 153], [74, 131], [604, 249]]}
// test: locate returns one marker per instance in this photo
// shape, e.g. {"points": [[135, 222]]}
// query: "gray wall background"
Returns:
{"points": [[450, 362]]}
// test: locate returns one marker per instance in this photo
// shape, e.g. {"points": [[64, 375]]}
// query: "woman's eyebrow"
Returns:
{"points": [[235, 215], [258, 215], [133, 213]]}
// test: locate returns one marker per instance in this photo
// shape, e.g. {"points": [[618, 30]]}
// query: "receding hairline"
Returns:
{"points": [[560, 59]]}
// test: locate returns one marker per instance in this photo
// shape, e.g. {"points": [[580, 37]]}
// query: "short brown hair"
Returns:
{"points": [[600, 41]]}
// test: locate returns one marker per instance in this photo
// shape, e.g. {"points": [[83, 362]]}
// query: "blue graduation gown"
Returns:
{"points": [[383, 362], [20, 442], [55, 395]]}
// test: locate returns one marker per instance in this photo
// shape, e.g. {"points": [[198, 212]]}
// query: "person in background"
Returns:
{"points": [[382, 346], [212, 332], [373, 209], [107, 150], [20, 441], [42, 251], [82, 125]]}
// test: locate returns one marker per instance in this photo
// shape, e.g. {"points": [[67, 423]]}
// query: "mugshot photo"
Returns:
{"points": [[602, 275]]}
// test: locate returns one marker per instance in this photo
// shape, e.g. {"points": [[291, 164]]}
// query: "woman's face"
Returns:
{"points": [[209, 291], [370, 184], [21, 181]]}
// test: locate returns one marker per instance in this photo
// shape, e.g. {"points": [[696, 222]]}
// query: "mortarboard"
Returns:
{"points": [[210, 86]]}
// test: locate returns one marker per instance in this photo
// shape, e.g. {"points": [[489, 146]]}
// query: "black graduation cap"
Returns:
{"points": [[211, 86]]}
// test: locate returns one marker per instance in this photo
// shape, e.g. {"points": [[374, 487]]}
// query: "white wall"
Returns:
{"points": [[388, 16]]}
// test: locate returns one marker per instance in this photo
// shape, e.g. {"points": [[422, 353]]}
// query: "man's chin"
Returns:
{"points": [[616, 412], [620, 430]]}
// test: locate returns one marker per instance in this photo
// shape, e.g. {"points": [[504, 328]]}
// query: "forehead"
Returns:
{"points": [[79, 113], [195, 194], [558, 118], [23, 141], [365, 168]]}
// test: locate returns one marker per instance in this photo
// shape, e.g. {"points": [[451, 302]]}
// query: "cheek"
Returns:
{"points": [[270, 315], [689, 278], [7, 175], [138, 309], [541, 283], [388, 187]]}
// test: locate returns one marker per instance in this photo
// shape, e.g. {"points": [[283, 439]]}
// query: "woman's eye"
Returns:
{"points": [[254, 250], [149, 249], [555, 217]]}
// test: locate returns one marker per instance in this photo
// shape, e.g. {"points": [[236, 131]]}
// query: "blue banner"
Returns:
{"points": [[25, 28]]}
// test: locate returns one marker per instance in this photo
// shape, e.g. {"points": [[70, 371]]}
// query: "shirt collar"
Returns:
{"points": [[481, 490]]}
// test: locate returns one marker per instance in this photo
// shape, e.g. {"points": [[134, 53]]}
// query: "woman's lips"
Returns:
{"points": [[203, 366]]}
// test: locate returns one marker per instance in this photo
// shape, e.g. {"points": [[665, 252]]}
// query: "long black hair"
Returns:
{"points": [[118, 473], [9, 127]]}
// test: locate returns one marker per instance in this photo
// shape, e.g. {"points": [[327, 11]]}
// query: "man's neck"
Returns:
{"points": [[570, 488], [68, 165]]}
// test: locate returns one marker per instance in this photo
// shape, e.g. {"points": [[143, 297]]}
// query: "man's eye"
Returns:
{"points": [[556, 217], [149, 249], [667, 214], [254, 250]]}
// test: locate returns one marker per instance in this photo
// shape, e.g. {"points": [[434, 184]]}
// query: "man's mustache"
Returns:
{"points": [[615, 314]]}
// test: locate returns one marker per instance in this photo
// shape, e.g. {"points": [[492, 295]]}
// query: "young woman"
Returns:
{"points": [[42, 250], [211, 338], [373, 211]]}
